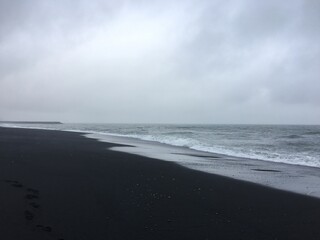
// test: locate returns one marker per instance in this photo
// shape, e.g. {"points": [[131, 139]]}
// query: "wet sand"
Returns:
{"points": [[62, 185]]}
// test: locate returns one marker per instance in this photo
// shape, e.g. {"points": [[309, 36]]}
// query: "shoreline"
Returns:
{"points": [[63, 185], [299, 179], [288, 177], [136, 139]]}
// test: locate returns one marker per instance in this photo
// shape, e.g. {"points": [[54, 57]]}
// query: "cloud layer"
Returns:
{"points": [[160, 61]]}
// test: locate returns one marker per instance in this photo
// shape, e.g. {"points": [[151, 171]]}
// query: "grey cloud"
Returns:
{"points": [[160, 61], [273, 33]]}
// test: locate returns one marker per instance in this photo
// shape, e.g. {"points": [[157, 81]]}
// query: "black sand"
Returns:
{"points": [[60, 185]]}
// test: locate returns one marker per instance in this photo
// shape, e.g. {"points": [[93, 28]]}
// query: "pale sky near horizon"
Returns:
{"points": [[190, 61]]}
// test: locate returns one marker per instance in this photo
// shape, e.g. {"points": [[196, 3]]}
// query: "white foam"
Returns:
{"points": [[243, 153]]}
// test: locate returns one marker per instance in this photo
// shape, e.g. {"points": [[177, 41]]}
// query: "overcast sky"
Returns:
{"points": [[150, 61]]}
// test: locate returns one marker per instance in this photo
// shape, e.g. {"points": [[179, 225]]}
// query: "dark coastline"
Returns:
{"points": [[61, 185], [31, 122]]}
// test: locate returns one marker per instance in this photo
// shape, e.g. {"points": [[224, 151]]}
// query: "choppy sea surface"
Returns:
{"points": [[291, 144]]}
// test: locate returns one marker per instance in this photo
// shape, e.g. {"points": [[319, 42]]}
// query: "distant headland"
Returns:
{"points": [[32, 122]]}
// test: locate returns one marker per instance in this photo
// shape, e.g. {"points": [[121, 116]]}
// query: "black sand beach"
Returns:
{"points": [[62, 185]]}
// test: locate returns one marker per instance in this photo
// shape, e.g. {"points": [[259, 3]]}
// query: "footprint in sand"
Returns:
{"points": [[18, 185], [28, 215], [34, 205], [31, 194], [44, 228], [33, 191], [14, 183]]}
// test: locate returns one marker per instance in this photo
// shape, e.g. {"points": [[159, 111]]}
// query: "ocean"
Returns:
{"points": [[290, 144]]}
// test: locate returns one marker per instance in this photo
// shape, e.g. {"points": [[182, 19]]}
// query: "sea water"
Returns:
{"points": [[291, 144]]}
